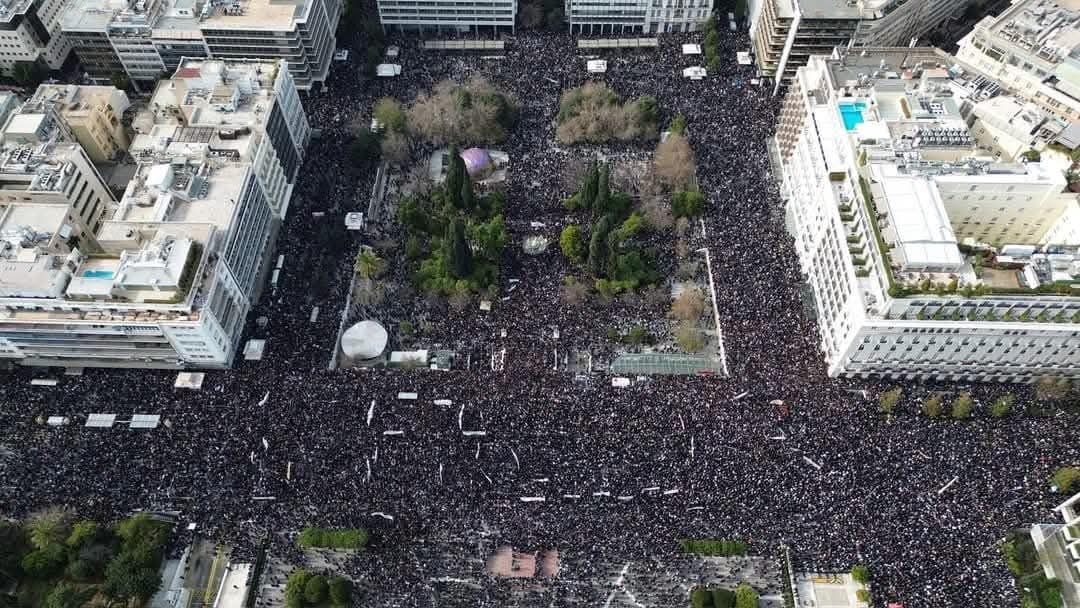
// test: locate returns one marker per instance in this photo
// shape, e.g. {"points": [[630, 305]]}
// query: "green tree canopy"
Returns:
{"points": [[572, 243], [340, 591], [745, 596], [315, 590], [459, 256]]}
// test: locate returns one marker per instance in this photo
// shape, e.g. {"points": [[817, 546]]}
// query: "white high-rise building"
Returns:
{"points": [[445, 15], [146, 39], [786, 33], [165, 277], [30, 33], [636, 16], [925, 257]]}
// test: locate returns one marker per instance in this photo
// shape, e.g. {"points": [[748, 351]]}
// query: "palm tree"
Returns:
{"points": [[368, 264]]}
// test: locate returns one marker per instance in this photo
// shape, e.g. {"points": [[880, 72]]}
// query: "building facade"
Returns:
{"points": [[30, 33], [636, 16], [146, 39], [786, 33], [164, 277], [1058, 546], [439, 15], [1029, 49], [93, 113], [925, 258]]}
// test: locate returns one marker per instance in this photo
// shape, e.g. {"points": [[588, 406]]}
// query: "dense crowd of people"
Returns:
{"points": [[623, 472]]}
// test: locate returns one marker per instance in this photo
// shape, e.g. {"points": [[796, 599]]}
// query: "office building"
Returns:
{"points": [[165, 277], [1058, 546], [443, 15], [146, 39], [618, 17], [1029, 49], [786, 33], [93, 113], [30, 33], [925, 257]]}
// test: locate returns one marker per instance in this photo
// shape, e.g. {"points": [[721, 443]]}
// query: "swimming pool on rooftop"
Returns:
{"points": [[98, 274], [852, 113]]}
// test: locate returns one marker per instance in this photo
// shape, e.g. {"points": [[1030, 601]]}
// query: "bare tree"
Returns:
{"points": [[689, 337], [574, 292], [689, 305], [682, 246], [657, 213], [395, 148], [460, 299], [656, 296], [674, 162]]}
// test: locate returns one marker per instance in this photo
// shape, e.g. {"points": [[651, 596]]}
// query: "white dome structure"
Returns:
{"points": [[364, 340]]}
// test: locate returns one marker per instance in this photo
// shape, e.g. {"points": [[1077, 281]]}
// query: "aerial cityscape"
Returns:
{"points": [[647, 303]]}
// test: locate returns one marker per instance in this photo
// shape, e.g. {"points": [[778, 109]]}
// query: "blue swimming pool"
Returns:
{"points": [[98, 274], [852, 113]]}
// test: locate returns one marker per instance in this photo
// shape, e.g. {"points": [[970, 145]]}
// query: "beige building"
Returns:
{"points": [[93, 113], [1029, 49]]}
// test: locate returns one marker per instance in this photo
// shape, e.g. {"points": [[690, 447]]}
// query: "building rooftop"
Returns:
{"points": [[72, 99], [1047, 29], [12, 8], [253, 14], [917, 216]]}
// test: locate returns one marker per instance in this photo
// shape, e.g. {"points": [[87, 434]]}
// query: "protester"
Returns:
{"points": [[624, 472]]}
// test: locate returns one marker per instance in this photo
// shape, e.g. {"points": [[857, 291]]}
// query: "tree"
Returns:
{"points": [[678, 125], [43, 563], [700, 597], [573, 291], [962, 406], [315, 590], [689, 337], [689, 305], [27, 74], [1064, 478], [13, 545], [572, 243], [603, 191], [120, 80], [368, 265], [364, 148], [50, 526], [1052, 388], [455, 177], [395, 148], [598, 249], [674, 162], [66, 595], [860, 574], [459, 255], [723, 598], [888, 400], [295, 585], [389, 115], [687, 203], [590, 187], [468, 199], [745, 596], [340, 591], [126, 578], [460, 296], [933, 407], [1002, 405]]}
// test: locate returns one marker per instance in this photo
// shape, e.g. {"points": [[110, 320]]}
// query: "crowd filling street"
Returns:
{"points": [[623, 472]]}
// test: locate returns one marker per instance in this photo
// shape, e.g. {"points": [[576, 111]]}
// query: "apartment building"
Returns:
{"points": [[146, 39], [439, 15], [30, 33], [1029, 49], [925, 257], [93, 113], [636, 16], [786, 33], [164, 277], [1058, 546]]}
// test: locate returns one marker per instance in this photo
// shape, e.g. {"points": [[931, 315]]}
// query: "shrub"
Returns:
{"points": [[572, 243], [333, 538], [700, 597], [933, 407], [745, 596], [723, 598], [340, 591], [861, 574], [1064, 478], [1002, 405], [294, 588], [315, 590], [888, 400], [862, 595], [713, 547], [687, 203], [962, 406]]}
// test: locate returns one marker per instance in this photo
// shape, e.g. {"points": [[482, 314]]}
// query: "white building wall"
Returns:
{"points": [[447, 14]]}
